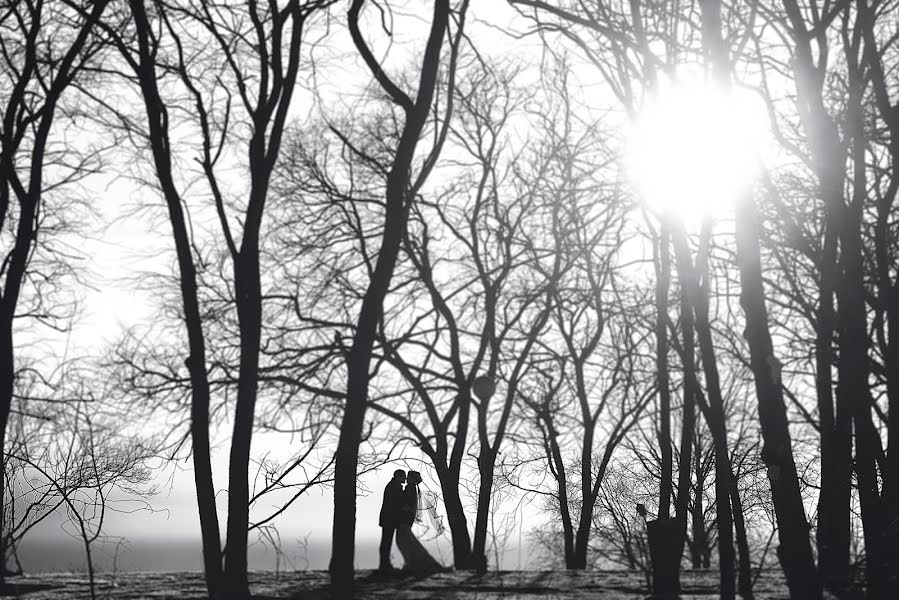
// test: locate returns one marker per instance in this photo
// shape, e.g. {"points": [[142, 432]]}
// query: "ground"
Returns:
{"points": [[313, 585]]}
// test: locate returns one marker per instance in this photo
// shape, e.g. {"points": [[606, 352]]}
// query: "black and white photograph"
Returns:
{"points": [[449, 299]]}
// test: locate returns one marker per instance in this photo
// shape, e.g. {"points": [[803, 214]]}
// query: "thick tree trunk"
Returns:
{"points": [[358, 375], [664, 542], [890, 495], [829, 162], [853, 383], [346, 463], [249, 312], [582, 537], [455, 516], [486, 460], [795, 551]]}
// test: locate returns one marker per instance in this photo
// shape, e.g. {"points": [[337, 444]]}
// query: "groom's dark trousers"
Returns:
{"points": [[390, 517], [387, 532]]}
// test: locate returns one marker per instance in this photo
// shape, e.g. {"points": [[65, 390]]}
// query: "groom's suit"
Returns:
{"points": [[391, 516]]}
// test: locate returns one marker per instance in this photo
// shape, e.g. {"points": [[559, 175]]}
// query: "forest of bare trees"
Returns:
{"points": [[358, 208]]}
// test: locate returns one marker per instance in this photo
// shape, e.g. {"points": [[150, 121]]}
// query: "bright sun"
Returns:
{"points": [[694, 149]]}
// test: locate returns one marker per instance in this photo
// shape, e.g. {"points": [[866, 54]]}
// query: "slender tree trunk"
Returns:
{"points": [[853, 383], [826, 148], [714, 416], [744, 564], [53, 84], [700, 537], [582, 538], [554, 455], [878, 518], [196, 361], [358, 375], [833, 531], [688, 424], [662, 285], [665, 535], [7, 379], [795, 551]]}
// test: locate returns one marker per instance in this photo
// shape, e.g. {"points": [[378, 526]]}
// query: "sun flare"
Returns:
{"points": [[694, 149]]}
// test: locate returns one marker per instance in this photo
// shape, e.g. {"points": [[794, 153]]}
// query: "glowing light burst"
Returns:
{"points": [[694, 149]]}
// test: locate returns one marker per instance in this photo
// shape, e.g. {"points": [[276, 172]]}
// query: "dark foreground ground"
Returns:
{"points": [[313, 585]]}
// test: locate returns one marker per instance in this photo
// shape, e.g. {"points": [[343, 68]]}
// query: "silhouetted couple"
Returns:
{"points": [[398, 512]]}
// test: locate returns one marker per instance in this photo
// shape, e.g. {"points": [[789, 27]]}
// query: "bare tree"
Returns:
{"points": [[256, 53], [402, 187], [81, 460], [44, 48]]}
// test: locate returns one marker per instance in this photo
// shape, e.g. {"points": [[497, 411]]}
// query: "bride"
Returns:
{"points": [[416, 557]]}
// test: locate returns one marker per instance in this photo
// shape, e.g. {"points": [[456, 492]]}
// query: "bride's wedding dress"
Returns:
{"points": [[415, 556]]}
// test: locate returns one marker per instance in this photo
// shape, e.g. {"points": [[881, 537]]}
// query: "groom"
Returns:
{"points": [[391, 516]]}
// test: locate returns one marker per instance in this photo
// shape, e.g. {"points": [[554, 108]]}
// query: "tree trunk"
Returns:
{"points": [[358, 376], [714, 415], [196, 361], [700, 541], [744, 585], [395, 221], [582, 537], [666, 537], [455, 516], [833, 532], [890, 496], [24, 233], [486, 461], [249, 312], [664, 543], [853, 383], [795, 551], [7, 379], [688, 424], [571, 553], [662, 285]]}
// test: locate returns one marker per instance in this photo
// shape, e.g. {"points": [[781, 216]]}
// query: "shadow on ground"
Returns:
{"points": [[314, 585]]}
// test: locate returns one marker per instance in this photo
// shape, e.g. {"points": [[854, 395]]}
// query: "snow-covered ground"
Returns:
{"points": [[313, 585]]}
